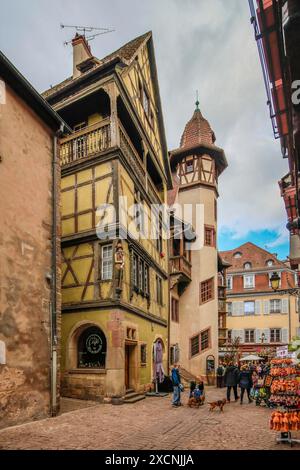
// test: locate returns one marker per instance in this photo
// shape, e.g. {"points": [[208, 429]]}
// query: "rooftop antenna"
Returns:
{"points": [[87, 29]]}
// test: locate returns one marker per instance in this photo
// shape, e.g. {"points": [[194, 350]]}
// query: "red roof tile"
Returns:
{"points": [[253, 254], [197, 131]]}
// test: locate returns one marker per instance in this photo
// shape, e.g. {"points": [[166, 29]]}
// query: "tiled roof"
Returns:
{"points": [[125, 53], [197, 131], [250, 253]]}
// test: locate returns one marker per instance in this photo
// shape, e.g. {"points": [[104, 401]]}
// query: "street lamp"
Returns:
{"points": [[275, 282]]}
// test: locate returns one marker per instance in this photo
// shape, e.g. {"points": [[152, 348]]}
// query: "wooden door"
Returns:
{"points": [[127, 352]]}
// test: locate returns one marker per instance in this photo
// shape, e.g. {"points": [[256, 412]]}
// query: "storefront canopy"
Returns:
{"points": [[251, 357]]}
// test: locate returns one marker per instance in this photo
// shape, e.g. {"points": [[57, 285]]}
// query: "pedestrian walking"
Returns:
{"points": [[176, 381], [245, 382], [231, 378], [220, 375]]}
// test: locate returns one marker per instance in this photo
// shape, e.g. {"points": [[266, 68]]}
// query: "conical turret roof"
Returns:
{"points": [[197, 131]]}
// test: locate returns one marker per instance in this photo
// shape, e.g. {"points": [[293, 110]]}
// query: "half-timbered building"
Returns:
{"points": [[114, 288]]}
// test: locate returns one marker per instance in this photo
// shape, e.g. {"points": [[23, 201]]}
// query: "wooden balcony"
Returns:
{"points": [[85, 143], [180, 272]]}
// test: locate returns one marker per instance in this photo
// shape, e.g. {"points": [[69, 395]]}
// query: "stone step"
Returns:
{"points": [[129, 390], [134, 399]]}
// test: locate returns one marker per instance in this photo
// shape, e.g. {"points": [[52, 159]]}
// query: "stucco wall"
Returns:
{"points": [[25, 259]]}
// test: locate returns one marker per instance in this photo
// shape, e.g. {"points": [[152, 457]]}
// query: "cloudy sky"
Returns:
{"points": [[200, 44]]}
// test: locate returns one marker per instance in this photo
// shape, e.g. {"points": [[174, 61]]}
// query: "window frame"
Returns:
{"points": [[229, 278], [205, 292], [275, 336], [174, 312], [245, 276], [278, 310], [209, 229], [159, 290], [143, 355], [251, 333], [103, 260], [198, 336], [252, 312]]}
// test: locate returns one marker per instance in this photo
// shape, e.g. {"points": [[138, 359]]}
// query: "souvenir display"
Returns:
{"points": [[285, 393]]}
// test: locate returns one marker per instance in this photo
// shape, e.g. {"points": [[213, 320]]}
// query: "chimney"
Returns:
{"points": [[81, 52]]}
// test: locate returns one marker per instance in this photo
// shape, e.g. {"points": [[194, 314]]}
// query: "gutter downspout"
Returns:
{"points": [[53, 319]]}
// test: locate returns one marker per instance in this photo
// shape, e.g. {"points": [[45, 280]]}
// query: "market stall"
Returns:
{"points": [[284, 381]]}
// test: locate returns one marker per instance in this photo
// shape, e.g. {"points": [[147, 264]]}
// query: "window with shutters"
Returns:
{"points": [[229, 309], [249, 281], [275, 306], [107, 262], [275, 335], [249, 307], [249, 336], [175, 310], [206, 290]]}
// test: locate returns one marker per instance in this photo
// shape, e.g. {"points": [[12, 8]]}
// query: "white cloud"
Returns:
{"points": [[207, 45]]}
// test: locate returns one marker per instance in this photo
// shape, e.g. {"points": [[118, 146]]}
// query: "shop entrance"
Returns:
{"points": [[130, 369]]}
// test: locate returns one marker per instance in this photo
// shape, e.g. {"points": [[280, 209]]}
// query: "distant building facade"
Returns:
{"points": [[260, 317]]}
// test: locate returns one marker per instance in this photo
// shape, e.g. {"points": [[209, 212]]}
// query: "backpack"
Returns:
{"points": [[197, 393]]}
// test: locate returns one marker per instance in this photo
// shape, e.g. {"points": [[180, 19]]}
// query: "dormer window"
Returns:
{"points": [[237, 254], [247, 265]]}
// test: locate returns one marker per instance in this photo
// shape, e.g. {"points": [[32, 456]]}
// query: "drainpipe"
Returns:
{"points": [[53, 318]]}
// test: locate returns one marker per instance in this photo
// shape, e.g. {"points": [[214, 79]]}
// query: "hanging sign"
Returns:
{"points": [[282, 351]]}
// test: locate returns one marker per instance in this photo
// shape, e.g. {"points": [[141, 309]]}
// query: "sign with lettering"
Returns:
{"points": [[282, 351]]}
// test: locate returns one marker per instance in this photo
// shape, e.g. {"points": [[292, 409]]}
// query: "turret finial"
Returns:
{"points": [[197, 100]]}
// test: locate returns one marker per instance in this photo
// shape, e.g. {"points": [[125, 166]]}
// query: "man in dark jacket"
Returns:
{"points": [[245, 382], [231, 379], [176, 381], [220, 375]]}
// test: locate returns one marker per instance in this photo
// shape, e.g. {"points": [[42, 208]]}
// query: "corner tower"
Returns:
{"points": [[196, 166]]}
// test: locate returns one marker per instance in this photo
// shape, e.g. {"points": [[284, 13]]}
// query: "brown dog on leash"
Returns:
{"points": [[217, 404]]}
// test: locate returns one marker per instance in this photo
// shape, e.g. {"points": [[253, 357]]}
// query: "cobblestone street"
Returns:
{"points": [[149, 424]]}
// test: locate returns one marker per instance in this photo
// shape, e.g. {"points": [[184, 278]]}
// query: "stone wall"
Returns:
{"points": [[85, 386], [25, 259]]}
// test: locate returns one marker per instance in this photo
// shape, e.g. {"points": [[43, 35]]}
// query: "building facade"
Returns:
{"points": [[196, 166], [29, 252], [260, 317], [277, 31], [114, 168]]}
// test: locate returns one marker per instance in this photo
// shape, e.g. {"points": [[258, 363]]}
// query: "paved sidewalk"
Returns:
{"points": [[149, 424]]}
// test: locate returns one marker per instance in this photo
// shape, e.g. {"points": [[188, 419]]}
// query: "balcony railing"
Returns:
{"points": [[131, 154], [86, 142], [179, 264]]}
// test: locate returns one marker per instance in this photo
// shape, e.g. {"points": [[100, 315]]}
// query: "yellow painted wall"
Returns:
{"points": [[147, 333], [263, 320], [140, 70]]}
